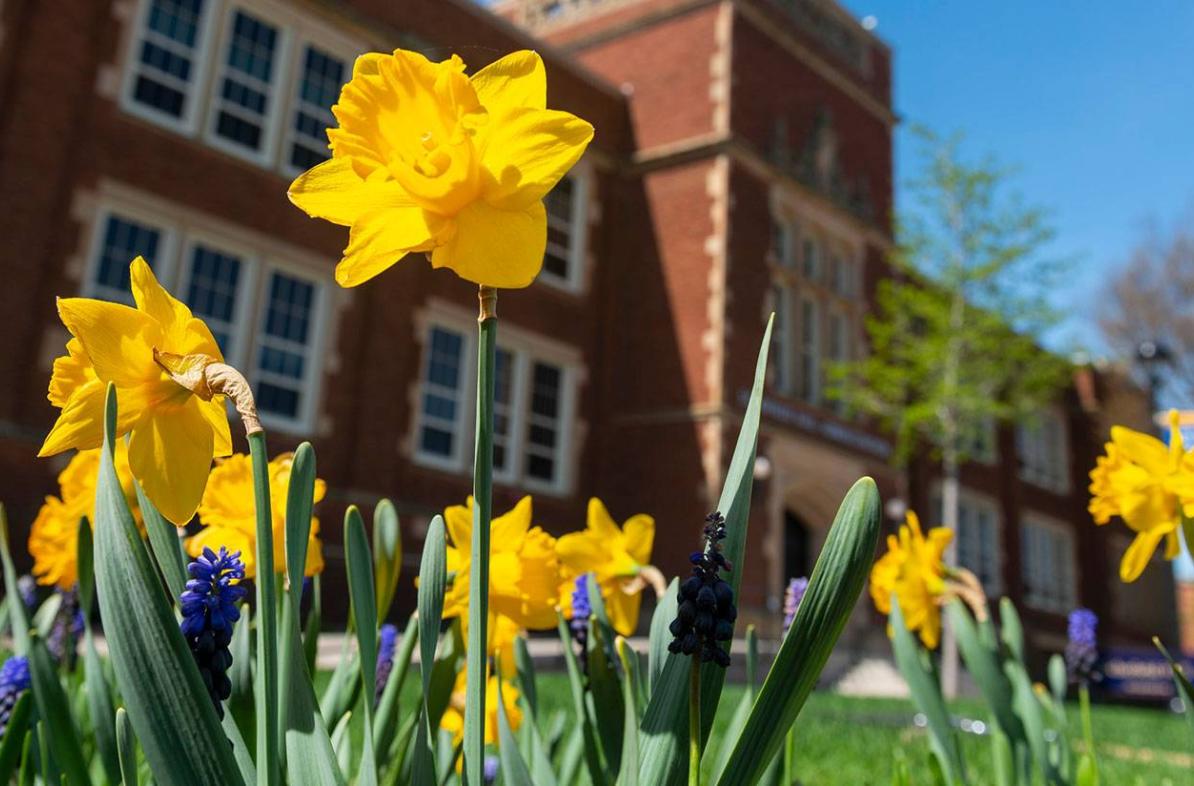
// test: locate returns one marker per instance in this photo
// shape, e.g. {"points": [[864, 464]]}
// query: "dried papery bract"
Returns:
{"points": [[206, 377]]}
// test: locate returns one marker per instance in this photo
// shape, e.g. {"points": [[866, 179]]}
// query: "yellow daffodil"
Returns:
{"points": [[1149, 486], [229, 518], [615, 556], [54, 536], [174, 434], [453, 718], [524, 573], [426, 159], [914, 569]]}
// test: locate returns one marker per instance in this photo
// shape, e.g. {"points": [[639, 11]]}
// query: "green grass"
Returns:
{"points": [[847, 740]]}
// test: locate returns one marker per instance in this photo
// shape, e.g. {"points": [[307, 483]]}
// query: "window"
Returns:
{"points": [[164, 62], [842, 274], [1041, 446], [811, 258], [441, 402], [121, 239], [1047, 564], [318, 86], [284, 345], [533, 406], [809, 383], [839, 348], [242, 102], [567, 209], [781, 342], [212, 292], [979, 441], [268, 100], [782, 243], [976, 541], [265, 317]]}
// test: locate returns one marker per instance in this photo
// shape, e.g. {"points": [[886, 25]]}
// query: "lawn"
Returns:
{"points": [[853, 741]]}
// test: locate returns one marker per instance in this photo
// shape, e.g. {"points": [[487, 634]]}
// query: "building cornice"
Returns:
{"points": [[741, 152]]}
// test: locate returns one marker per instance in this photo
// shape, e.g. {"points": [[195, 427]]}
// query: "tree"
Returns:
{"points": [[1151, 300], [954, 336]]}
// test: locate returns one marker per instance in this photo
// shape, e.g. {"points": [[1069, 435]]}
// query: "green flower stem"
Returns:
{"points": [[694, 722], [1084, 711], [267, 620], [478, 605]]}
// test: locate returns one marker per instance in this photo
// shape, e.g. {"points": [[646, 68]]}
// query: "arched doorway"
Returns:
{"points": [[797, 546]]}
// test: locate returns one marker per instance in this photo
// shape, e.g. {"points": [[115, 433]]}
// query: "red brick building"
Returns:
{"points": [[742, 164]]}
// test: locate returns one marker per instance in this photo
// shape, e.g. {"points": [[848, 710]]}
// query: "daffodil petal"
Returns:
{"points": [[458, 520], [579, 552], [1143, 449], [173, 317], [170, 452], [600, 523], [508, 530], [517, 80], [334, 191], [216, 414], [380, 239], [525, 152], [623, 610], [71, 372], [1137, 557], [639, 532], [117, 339], [494, 247], [80, 425]]}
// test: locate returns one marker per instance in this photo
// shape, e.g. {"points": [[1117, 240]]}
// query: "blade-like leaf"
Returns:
{"points": [[99, 695], [664, 738], [525, 665], [314, 623], [387, 554], [85, 562], [300, 499], [592, 749], [126, 744], [433, 574], [984, 665], [14, 736], [1185, 689], [386, 722], [628, 773], [665, 612], [170, 710], [16, 606], [364, 612], [268, 712], [926, 694], [833, 589], [164, 545], [514, 769]]}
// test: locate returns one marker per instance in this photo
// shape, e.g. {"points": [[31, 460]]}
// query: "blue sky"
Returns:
{"points": [[1092, 102]]}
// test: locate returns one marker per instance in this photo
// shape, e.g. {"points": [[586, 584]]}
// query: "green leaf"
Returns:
{"points": [[53, 710], [525, 665], [1058, 678], [240, 703], [343, 687], [665, 612], [164, 544], [984, 665], [126, 743], [584, 721], [314, 623], [14, 735], [310, 758], [28, 774], [1011, 629], [168, 706], [833, 589], [514, 769], [268, 723], [16, 606], [85, 562], [1184, 688], [628, 773], [664, 740], [605, 692], [916, 667], [433, 577], [364, 611], [386, 721], [387, 554], [100, 708], [342, 744], [478, 602]]}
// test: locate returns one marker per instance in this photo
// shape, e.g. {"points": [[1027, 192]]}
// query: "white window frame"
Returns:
{"points": [[527, 348], [196, 100], [1064, 573], [581, 176], [1032, 447], [167, 259], [308, 36], [810, 345], [181, 229], [275, 93]]}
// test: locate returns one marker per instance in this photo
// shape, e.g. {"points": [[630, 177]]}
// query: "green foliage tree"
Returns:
{"points": [[954, 338]]}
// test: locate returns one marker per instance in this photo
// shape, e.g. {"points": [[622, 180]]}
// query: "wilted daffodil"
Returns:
{"points": [[1149, 486], [228, 513], [524, 573], [54, 536], [174, 434], [426, 159], [452, 720], [914, 569], [617, 557]]}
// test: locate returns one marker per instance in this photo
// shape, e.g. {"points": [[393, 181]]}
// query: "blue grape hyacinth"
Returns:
{"points": [[387, 643], [14, 680], [208, 613], [793, 595], [706, 613], [1082, 648], [582, 609]]}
